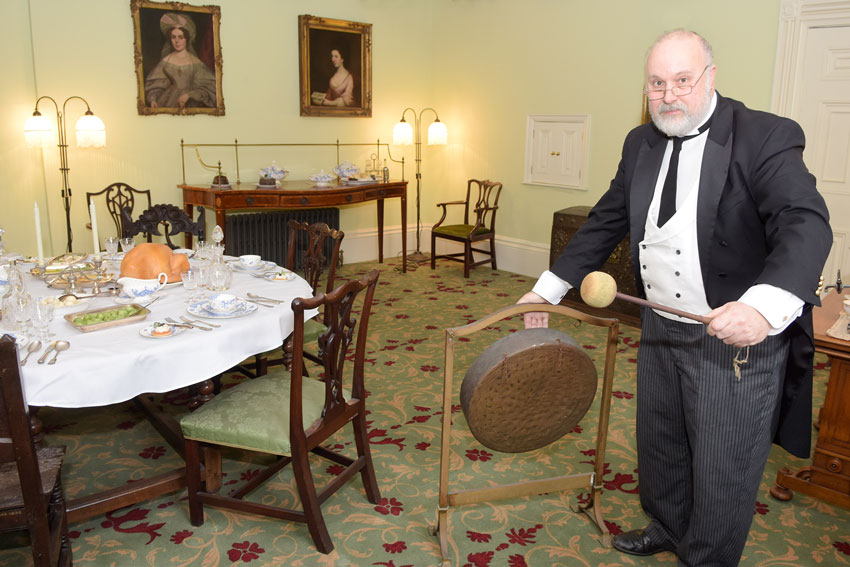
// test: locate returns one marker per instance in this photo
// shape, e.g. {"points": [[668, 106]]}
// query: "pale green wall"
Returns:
{"points": [[483, 64]]}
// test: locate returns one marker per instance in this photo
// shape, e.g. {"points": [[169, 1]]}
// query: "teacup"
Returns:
{"points": [[138, 288], [223, 303], [250, 260]]}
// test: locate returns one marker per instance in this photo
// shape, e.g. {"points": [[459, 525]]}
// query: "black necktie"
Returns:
{"points": [[668, 194]]}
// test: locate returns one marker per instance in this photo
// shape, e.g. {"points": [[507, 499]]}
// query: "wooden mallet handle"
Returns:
{"points": [[599, 289]]}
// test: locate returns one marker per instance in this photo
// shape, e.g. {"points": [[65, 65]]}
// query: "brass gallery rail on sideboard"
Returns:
{"points": [[298, 195]]}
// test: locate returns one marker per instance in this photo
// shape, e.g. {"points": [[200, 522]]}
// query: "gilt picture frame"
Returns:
{"points": [[335, 67], [177, 53]]}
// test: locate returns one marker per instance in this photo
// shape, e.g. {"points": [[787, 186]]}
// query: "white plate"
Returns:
{"points": [[148, 332], [79, 303], [261, 267], [201, 309], [273, 276], [126, 300]]}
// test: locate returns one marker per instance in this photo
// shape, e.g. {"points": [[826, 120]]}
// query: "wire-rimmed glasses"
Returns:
{"points": [[653, 93]]}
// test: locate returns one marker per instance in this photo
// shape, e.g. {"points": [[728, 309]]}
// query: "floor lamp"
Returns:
{"points": [[403, 135], [91, 133]]}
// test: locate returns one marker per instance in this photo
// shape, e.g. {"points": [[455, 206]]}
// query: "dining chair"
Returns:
{"points": [[171, 218], [31, 496], [289, 415], [120, 196], [482, 211]]}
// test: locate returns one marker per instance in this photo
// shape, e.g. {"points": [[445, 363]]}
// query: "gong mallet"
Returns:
{"points": [[599, 289]]}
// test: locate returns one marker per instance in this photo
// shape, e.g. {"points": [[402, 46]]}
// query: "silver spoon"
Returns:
{"points": [[255, 296], [47, 352], [60, 346], [34, 346]]}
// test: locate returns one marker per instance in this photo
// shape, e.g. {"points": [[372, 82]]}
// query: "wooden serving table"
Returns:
{"points": [[828, 477], [298, 194]]}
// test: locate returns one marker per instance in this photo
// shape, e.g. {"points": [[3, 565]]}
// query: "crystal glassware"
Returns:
{"points": [[191, 280], [220, 276], [42, 315], [127, 244], [111, 245], [217, 234]]}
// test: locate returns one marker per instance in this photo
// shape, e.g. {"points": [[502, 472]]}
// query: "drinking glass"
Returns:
{"points": [[22, 311], [127, 244], [203, 269], [191, 280], [42, 315], [111, 245]]}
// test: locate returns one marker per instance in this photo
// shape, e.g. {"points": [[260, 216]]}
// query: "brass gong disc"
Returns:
{"points": [[527, 390]]}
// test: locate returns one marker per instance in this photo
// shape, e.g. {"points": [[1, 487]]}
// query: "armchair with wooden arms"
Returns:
{"points": [[171, 218], [482, 213], [288, 415], [31, 496], [120, 196]]}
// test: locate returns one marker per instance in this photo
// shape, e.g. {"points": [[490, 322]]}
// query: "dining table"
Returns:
{"points": [[125, 362]]}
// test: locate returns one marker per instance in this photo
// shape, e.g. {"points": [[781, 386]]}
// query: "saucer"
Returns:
{"points": [[127, 300], [261, 267], [202, 309], [148, 332], [277, 277]]}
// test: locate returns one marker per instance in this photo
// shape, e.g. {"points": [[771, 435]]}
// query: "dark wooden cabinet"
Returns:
{"points": [[565, 224]]}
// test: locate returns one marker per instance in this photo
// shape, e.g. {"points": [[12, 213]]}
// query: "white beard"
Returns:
{"points": [[681, 125]]}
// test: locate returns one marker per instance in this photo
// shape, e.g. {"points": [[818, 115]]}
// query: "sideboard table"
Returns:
{"points": [[298, 194]]}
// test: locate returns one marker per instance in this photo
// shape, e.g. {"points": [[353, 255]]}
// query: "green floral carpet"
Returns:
{"points": [[112, 446]]}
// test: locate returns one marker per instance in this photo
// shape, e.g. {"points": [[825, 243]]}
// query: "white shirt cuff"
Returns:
{"points": [[551, 288], [778, 306]]}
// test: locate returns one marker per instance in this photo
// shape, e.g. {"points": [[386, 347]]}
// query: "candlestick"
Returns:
{"points": [[94, 237], [38, 235]]}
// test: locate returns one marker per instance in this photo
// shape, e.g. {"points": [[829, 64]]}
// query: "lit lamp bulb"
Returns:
{"points": [[91, 133], [437, 133], [37, 130], [402, 133]]}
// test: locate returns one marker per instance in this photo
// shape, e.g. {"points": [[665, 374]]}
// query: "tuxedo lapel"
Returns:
{"points": [[647, 166]]}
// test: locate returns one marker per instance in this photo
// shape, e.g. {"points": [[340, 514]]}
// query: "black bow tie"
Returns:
{"points": [[667, 207]]}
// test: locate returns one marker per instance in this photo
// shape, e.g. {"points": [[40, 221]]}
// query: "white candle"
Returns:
{"points": [[38, 235], [94, 238]]}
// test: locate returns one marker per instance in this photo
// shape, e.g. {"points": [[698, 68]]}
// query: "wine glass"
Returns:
{"points": [[42, 315], [127, 244], [111, 245], [191, 280]]}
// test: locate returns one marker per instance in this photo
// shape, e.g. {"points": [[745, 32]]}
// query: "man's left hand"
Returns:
{"points": [[737, 324]]}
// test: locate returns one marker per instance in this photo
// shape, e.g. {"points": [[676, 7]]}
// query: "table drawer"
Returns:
{"points": [[320, 199], [246, 200], [383, 193]]}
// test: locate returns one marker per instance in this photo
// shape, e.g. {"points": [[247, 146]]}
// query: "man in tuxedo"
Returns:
{"points": [[736, 232]]}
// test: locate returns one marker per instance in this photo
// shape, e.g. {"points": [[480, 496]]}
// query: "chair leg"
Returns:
{"points": [[193, 482], [367, 473], [287, 353], [493, 252], [433, 251], [467, 258], [310, 503]]}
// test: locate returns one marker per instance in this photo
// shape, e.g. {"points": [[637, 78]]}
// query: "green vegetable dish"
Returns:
{"points": [[104, 316]]}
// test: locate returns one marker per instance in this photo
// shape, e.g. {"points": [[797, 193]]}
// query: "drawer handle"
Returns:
{"points": [[834, 466], [348, 198], [382, 192], [249, 201], [304, 200]]}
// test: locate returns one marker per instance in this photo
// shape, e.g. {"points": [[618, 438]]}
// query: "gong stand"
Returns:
{"points": [[588, 481]]}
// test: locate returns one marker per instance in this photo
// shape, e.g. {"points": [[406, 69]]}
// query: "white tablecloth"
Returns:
{"points": [[116, 364]]}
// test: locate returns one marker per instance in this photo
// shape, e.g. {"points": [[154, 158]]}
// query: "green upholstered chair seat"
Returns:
{"points": [[255, 414], [460, 230]]}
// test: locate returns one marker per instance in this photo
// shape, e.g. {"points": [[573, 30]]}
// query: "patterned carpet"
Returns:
{"points": [[115, 445]]}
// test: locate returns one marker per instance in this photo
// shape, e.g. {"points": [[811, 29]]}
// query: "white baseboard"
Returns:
{"points": [[512, 254]]}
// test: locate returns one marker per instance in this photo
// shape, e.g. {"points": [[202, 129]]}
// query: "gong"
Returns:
{"points": [[527, 390]]}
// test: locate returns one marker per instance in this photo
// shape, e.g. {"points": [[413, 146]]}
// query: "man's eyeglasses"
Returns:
{"points": [[678, 90]]}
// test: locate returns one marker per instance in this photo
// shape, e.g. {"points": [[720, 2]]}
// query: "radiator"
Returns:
{"points": [[267, 234]]}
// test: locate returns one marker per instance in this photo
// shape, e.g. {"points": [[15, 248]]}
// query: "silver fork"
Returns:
{"points": [[173, 322], [176, 324], [195, 322]]}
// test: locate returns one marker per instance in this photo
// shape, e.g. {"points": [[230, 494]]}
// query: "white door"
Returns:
{"points": [[822, 107]]}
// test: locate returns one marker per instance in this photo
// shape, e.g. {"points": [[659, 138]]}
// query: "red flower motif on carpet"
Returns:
{"points": [[623, 395], [461, 306], [429, 368], [478, 537], [419, 418], [391, 506], [517, 561], [523, 536], [114, 521], [422, 408], [396, 547], [389, 363], [761, 509], [422, 445], [842, 546], [402, 316], [250, 474], [180, 536], [615, 529], [390, 563], [152, 453], [480, 559], [478, 455], [246, 551], [335, 470], [374, 433]]}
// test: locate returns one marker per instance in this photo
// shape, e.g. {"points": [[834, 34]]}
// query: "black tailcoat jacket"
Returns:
{"points": [[760, 220]]}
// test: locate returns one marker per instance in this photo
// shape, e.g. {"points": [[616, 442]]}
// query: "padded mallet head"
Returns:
{"points": [[598, 289]]}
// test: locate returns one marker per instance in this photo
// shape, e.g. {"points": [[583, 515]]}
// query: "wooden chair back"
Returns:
{"points": [[171, 218], [310, 240], [120, 196], [31, 495]]}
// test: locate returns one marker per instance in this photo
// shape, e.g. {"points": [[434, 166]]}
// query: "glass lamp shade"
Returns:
{"points": [[91, 133], [38, 131], [437, 134], [402, 134]]}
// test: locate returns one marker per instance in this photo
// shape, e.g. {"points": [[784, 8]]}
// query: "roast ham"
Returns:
{"points": [[147, 260]]}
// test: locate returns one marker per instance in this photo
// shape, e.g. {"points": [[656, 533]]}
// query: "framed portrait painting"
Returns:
{"points": [[335, 67], [178, 58]]}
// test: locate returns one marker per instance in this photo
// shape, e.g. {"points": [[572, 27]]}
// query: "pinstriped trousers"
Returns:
{"points": [[703, 436]]}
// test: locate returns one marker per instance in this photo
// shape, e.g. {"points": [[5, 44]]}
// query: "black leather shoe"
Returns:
{"points": [[636, 542]]}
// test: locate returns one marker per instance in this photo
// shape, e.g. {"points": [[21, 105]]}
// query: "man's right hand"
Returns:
{"points": [[534, 319]]}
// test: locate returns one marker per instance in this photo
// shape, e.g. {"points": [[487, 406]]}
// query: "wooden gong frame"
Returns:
{"points": [[588, 481]]}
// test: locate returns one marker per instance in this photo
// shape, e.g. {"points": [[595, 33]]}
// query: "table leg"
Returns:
{"points": [[380, 204], [404, 232]]}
